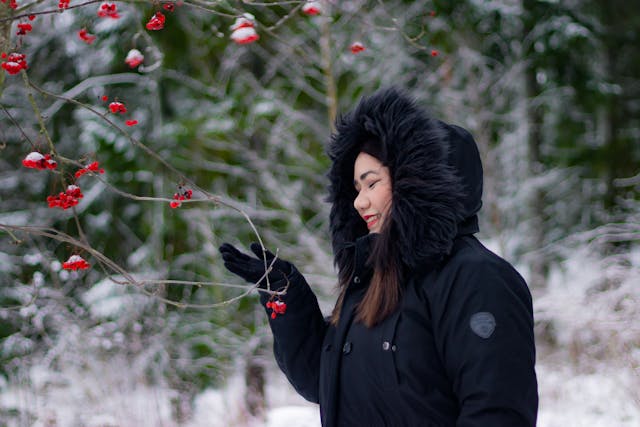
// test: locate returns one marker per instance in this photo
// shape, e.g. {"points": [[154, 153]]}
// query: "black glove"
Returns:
{"points": [[252, 269]]}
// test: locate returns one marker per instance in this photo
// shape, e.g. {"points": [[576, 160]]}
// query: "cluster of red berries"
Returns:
{"points": [[85, 36], [170, 7], [91, 167], [277, 307], [40, 161], [13, 4], [117, 107], [134, 58], [14, 62], [156, 22], [75, 262], [24, 28], [243, 30], [357, 47], [312, 8], [108, 10], [63, 4], [66, 200], [182, 194]]}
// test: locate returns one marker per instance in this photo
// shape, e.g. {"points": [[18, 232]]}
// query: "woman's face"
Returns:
{"points": [[373, 184]]}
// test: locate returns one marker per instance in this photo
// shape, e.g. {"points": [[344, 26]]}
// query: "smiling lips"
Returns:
{"points": [[371, 220]]}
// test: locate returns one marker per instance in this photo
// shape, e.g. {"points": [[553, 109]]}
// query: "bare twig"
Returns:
{"points": [[140, 284]]}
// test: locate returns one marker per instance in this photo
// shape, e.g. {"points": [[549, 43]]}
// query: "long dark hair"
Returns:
{"points": [[385, 289]]}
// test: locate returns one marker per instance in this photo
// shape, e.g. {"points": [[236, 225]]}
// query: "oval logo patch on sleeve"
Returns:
{"points": [[483, 324]]}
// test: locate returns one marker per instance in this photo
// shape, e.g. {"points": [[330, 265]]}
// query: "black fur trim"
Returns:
{"points": [[427, 197]]}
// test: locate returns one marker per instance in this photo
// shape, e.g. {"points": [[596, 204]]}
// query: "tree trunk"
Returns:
{"points": [[615, 150], [254, 376], [538, 264], [327, 69]]}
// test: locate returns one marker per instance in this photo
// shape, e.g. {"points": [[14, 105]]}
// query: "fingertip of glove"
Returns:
{"points": [[227, 247], [256, 248]]}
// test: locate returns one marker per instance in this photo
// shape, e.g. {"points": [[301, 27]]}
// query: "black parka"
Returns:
{"points": [[459, 350]]}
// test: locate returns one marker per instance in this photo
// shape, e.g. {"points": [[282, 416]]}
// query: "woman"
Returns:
{"points": [[430, 328]]}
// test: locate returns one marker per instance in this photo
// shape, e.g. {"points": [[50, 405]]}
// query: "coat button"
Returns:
{"points": [[386, 346], [346, 349], [356, 279]]}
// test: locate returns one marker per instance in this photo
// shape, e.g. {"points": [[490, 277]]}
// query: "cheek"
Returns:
{"points": [[385, 198]]}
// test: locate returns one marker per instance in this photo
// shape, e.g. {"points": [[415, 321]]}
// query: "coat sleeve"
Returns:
{"points": [[298, 335], [484, 324]]}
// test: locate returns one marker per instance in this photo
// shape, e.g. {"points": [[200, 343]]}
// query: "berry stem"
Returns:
{"points": [[17, 125], [36, 110], [5, 37]]}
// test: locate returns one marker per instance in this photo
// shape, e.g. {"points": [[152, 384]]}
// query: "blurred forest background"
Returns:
{"points": [[550, 90]]}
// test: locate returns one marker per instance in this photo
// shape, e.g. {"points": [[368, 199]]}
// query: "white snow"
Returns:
{"points": [[600, 399], [106, 397], [107, 298]]}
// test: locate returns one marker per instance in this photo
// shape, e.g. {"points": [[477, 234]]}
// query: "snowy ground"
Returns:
{"points": [[598, 399], [567, 399]]}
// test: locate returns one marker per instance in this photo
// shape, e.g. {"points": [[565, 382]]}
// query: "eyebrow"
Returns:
{"points": [[364, 175]]}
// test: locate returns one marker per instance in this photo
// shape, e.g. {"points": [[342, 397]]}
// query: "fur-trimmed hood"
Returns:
{"points": [[435, 170]]}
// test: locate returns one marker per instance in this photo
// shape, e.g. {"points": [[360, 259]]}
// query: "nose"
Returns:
{"points": [[361, 202]]}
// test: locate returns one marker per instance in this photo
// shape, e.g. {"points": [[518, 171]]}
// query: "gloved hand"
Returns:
{"points": [[252, 269]]}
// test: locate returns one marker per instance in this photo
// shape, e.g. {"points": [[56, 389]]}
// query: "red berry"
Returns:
{"points": [[134, 58], [312, 8], [434, 53], [279, 307], [24, 28], [36, 160], [67, 199], [108, 10], [75, 262], [131, 122], [74, 191], [14, 62], [156, 22], [243, 31], [117, 107], [245, 35], [85, 36], [93, 167], [357, 47]]}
